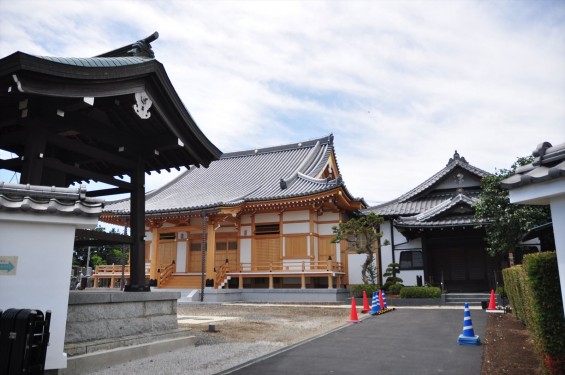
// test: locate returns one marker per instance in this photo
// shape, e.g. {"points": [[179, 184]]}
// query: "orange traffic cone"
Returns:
{"points": [[381, 301], [492, 304], [353, 317], [366, 307]]}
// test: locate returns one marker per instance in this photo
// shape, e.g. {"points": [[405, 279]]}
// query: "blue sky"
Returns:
{"points": [[400, 84]]}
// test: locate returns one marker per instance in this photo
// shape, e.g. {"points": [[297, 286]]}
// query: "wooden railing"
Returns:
{"points": [[222, 274], [165, 273], [113, 269], [291, 266], [112, 272]]}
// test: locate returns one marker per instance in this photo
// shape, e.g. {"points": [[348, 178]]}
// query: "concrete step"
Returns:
{"points": [[459, 299]]}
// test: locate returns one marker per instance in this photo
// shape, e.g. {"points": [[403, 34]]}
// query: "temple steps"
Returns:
{"points": [[180, 281]]}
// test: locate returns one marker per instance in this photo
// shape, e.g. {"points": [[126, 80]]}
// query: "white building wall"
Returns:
{"points": [[296, 215], [245, 250], [296, 228], [355, 265], [326, 229], [409, 277], [245, 230], [181, 256], [267, 218], [329, 216], [43, 245]]}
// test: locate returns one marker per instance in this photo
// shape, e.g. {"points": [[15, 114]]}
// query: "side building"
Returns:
{"points": [[260, 218], [431, 233]]}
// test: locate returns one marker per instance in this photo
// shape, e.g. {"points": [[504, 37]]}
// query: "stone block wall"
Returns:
{"points": [[94, 315]]}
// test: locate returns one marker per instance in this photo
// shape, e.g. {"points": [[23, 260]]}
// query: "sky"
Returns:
{"points": [[400, 84]]}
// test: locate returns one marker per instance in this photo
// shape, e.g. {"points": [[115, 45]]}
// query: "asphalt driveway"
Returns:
{"points": [[405, 341]]}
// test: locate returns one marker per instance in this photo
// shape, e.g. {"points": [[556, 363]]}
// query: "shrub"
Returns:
{"points": [[420, 292], [395, 288], [501, 292], [535, 295], [390, 274], [357, 290]]}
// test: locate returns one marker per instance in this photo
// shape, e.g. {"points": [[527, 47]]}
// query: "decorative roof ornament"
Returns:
{"points": [[143, 105], [456, 157], [142, 48]]}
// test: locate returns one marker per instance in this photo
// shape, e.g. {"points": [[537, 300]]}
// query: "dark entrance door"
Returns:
{"points": [[461, 262]]}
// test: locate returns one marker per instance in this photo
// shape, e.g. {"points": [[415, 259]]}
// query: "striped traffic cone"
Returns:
{"points": [[376, 306], [384, 299], [468, 336]]}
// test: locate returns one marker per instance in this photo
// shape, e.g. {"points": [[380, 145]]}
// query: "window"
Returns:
{"points": [[263, 229], [411, 260], [167, 236]]}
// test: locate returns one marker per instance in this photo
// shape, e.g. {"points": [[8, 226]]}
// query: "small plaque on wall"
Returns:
{"points": [[8, 265]]}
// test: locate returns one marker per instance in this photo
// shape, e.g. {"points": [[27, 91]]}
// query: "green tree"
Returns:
{"points": [[362, 234], [506, 223]]}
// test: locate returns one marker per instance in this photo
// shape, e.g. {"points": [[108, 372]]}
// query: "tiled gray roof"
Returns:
{"points": [[422, 197], [549, 163], [454, 162], [48, 200], [433, 216], [246, 176], [97, 62], [453, 221]]}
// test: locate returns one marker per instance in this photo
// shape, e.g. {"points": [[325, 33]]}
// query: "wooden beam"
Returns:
{"points": [[14, 164], [86, 174], [92, 152]]}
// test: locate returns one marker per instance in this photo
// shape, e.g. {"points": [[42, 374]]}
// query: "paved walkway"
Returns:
{"points": [[405, 341]]}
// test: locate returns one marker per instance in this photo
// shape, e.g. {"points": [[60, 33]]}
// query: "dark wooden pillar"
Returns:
{"points": [[137, 254], [32, 168]]}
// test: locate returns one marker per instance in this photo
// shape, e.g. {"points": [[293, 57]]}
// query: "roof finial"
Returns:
{"points": [[142, 48], [456, 157]]}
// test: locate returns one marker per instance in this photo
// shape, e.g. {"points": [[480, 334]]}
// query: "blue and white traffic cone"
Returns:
{"points": [[376, 306], [384, 299], [468, 336]]}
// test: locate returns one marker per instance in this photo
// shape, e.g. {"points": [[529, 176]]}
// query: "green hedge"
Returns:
{"points": [[535, 295], [357, 290], [420, 292]]}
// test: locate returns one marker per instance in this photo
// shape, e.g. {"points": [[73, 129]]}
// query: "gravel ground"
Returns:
{"points": [[256, 330]]}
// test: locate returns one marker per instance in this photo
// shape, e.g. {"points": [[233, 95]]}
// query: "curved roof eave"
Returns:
{"points": [[66, 78]]}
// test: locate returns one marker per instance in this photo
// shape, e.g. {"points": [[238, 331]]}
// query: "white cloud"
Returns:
{"points": [[401, 84]]}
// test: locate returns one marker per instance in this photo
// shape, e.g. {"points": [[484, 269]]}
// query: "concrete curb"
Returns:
{"points": [[108, 358]]}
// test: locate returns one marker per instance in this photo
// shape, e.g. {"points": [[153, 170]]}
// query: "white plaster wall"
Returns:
{"points": [[44, 247], [558, 218], [245, 250], [326, 229], [355, 264], [245, 219], [181, 256], [245, 231], [267, 218], [296, 215], [408, 277], [294, 228], [329, 216]]}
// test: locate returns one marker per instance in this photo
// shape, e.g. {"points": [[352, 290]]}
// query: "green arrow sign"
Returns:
{"points": [[6, 266]]}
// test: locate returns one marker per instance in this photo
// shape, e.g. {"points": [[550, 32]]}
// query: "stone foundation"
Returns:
{"points": [[111, 315]]}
